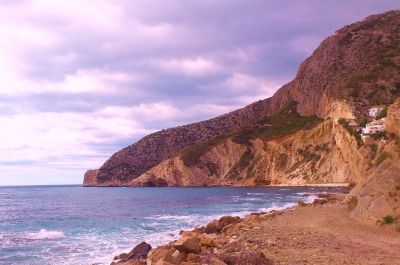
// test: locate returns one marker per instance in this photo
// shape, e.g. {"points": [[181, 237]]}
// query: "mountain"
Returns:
{"points": [[357, 67]]}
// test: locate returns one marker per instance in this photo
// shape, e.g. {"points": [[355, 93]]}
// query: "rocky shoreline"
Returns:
{"points": [[317, 233]]}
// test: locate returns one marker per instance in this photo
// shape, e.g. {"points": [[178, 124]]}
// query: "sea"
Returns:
{"points": [[79, 225]]}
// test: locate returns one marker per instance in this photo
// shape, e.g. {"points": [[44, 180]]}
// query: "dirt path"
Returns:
{"points": [[323, 235]]}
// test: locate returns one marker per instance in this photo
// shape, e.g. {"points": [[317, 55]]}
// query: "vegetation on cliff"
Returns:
{"points": [[285, 122]]}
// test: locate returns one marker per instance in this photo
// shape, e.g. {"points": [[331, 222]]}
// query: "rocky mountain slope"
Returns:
{"points": [[300, 150], [357, 67]]}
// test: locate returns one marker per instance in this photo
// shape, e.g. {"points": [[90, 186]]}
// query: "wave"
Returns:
{"points": [[44, 234], [276, 207]]}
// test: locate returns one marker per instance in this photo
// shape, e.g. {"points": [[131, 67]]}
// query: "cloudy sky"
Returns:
{"points": [[79, 80]]}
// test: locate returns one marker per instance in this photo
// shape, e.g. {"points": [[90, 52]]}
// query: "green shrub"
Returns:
{"points": [[379, 135], [388, 219], [382, 114], [285, 122], [382, 157]]}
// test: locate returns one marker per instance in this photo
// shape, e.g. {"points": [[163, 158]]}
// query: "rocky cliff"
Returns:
{"points": [[355, 68], [134, 160], [324, 154], [377, 193]]}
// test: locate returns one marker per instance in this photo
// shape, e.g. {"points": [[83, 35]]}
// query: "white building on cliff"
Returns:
{"points": [[375, 110], [374, 127]]}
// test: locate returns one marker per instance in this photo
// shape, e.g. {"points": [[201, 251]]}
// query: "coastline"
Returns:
{"points": [[331, 185], [317, 233]]}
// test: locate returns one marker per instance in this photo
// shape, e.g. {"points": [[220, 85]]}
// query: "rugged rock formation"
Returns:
{"points": [[134, 160], [393, 118], [325, 154], [350, 71], [90, 177], [378, 192], [355, 68]]}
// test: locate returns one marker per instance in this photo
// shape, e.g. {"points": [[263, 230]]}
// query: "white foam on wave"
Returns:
{"points": [[310, 198], [253, 199], [44, 234], [276, 207], [257, 194]]}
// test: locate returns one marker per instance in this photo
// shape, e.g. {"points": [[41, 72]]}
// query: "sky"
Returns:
{"points": [[80, 80]]}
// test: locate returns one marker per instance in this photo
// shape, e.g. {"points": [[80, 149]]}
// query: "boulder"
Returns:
{"points": [[163, 255], [139, 252], [120, 256], [191, 257], [199, 230], [319, 201], [188, 244], [226, 220], [211, 227], [233, 228], [207, 242]]}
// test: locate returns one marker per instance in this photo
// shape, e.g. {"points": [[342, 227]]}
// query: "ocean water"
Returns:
{"points": [[76, 225]]}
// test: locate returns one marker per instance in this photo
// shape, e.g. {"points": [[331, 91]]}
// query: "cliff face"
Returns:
{"points": [[90, 177], [393, 118], [324, 154], [378, 192], [358, 66], [355, 68]]}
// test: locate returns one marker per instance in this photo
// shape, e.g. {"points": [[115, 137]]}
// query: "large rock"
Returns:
{"points": [[188, 244], [225, 221], [139, 252], [211, 227], [163, 255]]}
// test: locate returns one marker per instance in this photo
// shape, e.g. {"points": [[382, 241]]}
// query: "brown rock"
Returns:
{"points": [[233, 228], [163, 255], [140, 251], [162, 262], [226, 220], [319, 201], [208, 242], [301, 203], [211, 227], [268, 216], [188, 244], [191, 256], [217, 262], [199, 230], [120, 256]]}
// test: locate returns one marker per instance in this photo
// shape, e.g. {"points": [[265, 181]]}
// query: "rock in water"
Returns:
{"points": [[138, 252]]}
